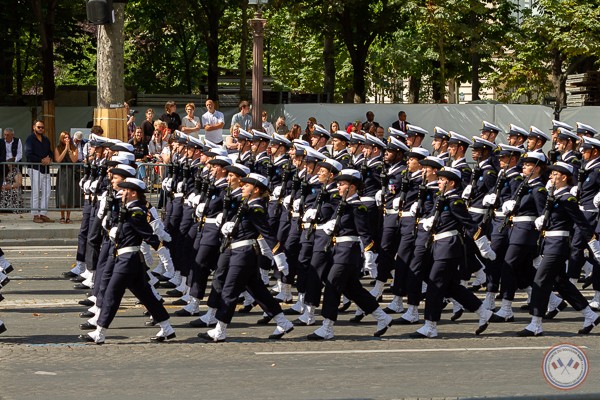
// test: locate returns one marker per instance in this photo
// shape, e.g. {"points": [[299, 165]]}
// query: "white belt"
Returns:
{"points": [[295, 215], [320, 227], [557, 234], [476, 210], [210, 220], [593, 210], [444, 235], [523, 219], [243, 243], [499, 214], [367, 198], [406, 214], [128, 249], [342, 239], [177, 195], [391, 210]]}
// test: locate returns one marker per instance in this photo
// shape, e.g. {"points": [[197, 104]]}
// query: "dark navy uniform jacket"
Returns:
{"points": [[590, 185], [465, 170], [330, 199], [532, 205], [394, 174], [343, 157], [371, 173], [485, 180], [213, 207], [354, 222]]}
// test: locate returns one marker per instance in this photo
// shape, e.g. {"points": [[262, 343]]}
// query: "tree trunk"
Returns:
{"points": [[244, 51], [558, 79], [414, 89], [359, 62], [212, 47], [475, 83], [329, 65], [437, 90]]}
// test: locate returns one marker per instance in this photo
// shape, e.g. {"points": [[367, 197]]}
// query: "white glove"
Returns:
{"points": [[281, 262], [112, 234], [194, 200], [309, 215], [296, 206], [539, 221], [105, 222], [595, 248], [328, 227], [94, 186], [159, 230], [483, 244], [413, 207], [548, 186], [86, 186], [165, 183], [219, 219], [379, 198], [573, 191], [508, 206], [597, 200], [102, 206], [227, 228], [467, 192], [427, 223], [369, 264], [180, 187], [276, 192], [168, 184], [82, 183], [396, 203], [489, 199], [153, 212], [200, 209], [287, 200], [265, 250]]}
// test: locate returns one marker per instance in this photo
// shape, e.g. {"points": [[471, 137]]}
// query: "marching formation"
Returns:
{"points": [[320, 218]]}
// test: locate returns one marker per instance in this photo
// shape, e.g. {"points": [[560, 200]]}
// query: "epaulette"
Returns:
{"points": [[573, 199], [466, 169], [362, 207], [490, 172], [519, 178], [542, 189], [137, 212], [258, 209], [459, 201]]}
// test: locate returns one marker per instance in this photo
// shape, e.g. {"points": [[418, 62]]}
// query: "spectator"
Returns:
{"points": [[213, 122], [172, 119], [243, 117], [231, 142], [79, 143], [267, 126], [371, 119], [401, 124], [161, 128], [98, 131], [334, 126], [12, 194], [380, 132], [67, 192], [140, 152], [280, 126], [295, 133], [148, 125], [310, 128], [130, 120], [190, 124], [156, 147], [11, 150], [38, 151]]}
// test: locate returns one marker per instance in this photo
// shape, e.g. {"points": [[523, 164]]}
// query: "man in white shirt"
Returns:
{"points": [[213, 122], [12, 150]]}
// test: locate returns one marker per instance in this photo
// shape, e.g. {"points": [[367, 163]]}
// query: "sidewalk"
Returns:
{"points": [[20, 230]]}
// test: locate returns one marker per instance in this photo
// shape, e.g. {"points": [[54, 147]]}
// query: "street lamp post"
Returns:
{"points": [[258, 29]]}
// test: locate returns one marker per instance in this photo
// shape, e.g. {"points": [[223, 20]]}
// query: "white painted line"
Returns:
{"points": [[19, 258], [45, 373], [278, 353]]}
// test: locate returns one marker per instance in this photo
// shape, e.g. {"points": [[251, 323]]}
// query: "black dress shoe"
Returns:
{"points": [[587, 281], [528, 333], [77, 279], [277, 336], [1, 297], [587, 329], [264, 320], [248, 308], [150, 322], [198, 323], [345, 306], [10, 269], [554, 313], [87, 338], [161, 278], [456, 316], [207, 337], [388, 310], [81, 286], [314, 337], [168, 285], [163, 338], [498, 296], [299, 322], [497, 318], [417, 335], [185, 313], [87, 326], [69, 275], [174, 293], [2, 328], [475, 288], [481, 328], [86, 302], [291, 311], [5, 282], [382, 331], [357, 318], [179, 302], [403, 321], [86, 314]]}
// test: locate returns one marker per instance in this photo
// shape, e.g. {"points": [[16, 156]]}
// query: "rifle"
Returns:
{"points": [[319, 203], [270, 172], [122, 217], [518, 197], [238, 219], [489, 212], [439, 207], [580, 180], [474, 178], [203, 197], [385, 180], [284, 180], [547, 211], [421, 195], [303, 193], [226, 204], [403, 191], [339, 212], [101, 175]]}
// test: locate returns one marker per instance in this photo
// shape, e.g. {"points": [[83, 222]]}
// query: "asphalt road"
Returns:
{"points": [[40, 356]]}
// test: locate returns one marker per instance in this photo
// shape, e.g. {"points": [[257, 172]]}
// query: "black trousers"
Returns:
{"points": [[517, 270], [316, 273], [205, 262], [390, 240], [186, 242], [302, 263], [418, 270], [218, 280], [444, 281], [103, 258], [129, 274], [493, 269], [552, 274], [402, 263], [83, 231]]}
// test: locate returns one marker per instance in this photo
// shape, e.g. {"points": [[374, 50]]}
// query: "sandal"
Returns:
{"points": [[68, 221], [62, 221]]}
